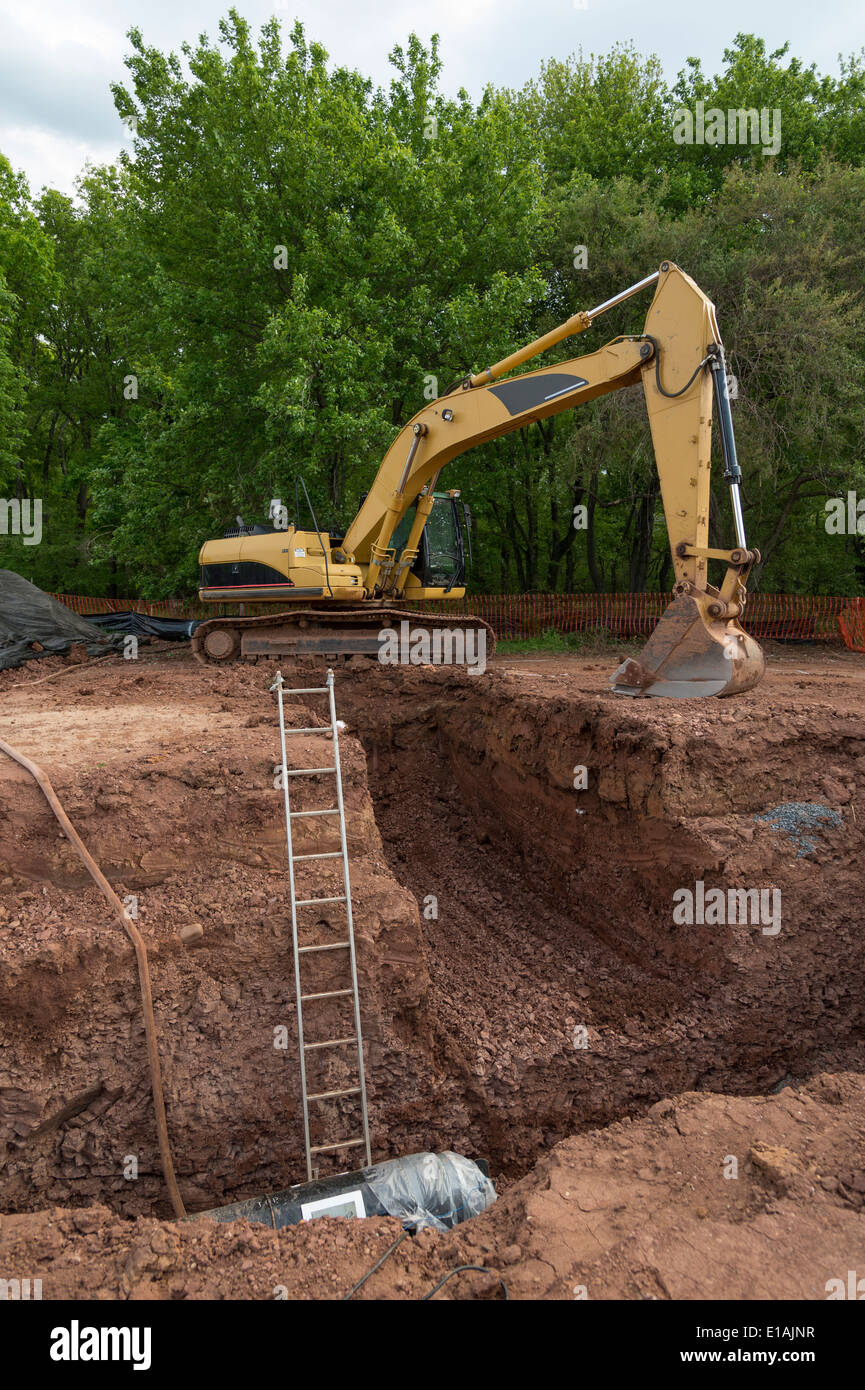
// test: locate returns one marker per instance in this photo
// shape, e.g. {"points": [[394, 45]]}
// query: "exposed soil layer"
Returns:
{"points": [[173, 789], [555, 905], [522, 977], [705, 1197]]}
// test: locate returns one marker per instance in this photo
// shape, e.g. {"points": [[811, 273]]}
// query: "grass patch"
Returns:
{"points": [[552, 643]]}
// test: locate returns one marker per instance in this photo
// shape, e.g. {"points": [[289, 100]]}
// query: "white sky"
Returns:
{"points": [[57, 57]]}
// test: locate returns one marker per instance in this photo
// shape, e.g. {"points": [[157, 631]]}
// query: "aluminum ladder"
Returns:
{"points": [[346, 945]]}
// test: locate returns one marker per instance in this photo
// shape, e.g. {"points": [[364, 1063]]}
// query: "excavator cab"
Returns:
{"points": [[445, 545]]}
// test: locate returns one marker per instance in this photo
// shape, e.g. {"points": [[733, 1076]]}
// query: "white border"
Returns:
{"points": [[308, 1210]]}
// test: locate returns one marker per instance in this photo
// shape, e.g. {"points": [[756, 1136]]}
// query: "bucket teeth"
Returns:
{"points": [[689, 657]]}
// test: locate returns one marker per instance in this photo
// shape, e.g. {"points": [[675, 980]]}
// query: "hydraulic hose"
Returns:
{"points": [[672, 395], [140, 955]]}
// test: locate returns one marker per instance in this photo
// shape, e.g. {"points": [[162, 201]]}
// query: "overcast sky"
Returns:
{"points": [[57, 57]]}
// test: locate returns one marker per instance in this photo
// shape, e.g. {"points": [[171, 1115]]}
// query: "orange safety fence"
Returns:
{"points": [[852, 624], [796, 617]]}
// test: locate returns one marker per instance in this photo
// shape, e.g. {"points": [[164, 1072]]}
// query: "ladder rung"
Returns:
{"points": [[332, 811], [326, 729], [346, 1144], [329, 1095], [328, 854], [308, 690], [337, 946], [308, 902], [307, 771], [328, 994], [329, 1042]]}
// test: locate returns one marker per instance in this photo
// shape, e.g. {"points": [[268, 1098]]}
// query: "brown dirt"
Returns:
{"points": [[646, 1209], [547, 921]]}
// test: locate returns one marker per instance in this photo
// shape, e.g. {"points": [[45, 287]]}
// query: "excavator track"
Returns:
{"points": [[328, 633]]}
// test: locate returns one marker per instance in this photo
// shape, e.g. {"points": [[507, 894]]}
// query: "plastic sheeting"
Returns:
{"points": [[431, 1190], [27, 616]]}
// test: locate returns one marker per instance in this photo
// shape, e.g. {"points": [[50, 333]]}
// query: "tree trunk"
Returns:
{"points": [[595, 569]]}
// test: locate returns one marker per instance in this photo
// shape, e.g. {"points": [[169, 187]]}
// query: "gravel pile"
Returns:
{"points": [[793, 818]]}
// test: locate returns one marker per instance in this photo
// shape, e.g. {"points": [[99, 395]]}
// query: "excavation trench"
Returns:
{"points": [[563, 995], [521, 974]]}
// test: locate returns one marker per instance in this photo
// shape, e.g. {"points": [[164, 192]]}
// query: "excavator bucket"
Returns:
{"points": [[690, 657]]}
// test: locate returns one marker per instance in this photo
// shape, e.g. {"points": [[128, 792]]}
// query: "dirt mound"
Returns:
{"points": [[33, 624]]}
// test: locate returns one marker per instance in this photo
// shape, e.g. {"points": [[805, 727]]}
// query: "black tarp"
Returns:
{"points": [[27, 615], [142, 625]]}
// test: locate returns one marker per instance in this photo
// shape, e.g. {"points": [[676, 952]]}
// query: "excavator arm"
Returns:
{"points": [[698, 647]]}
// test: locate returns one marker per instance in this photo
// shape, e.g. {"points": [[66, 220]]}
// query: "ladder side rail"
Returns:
{"points": [[294, 931], [349, 914]]}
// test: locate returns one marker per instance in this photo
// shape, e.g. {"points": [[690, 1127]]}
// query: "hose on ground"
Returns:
{"points": [[458, 1269], [140, 955], [378, 1264]]}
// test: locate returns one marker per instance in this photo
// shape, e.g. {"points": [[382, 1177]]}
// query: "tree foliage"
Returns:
{"points": [[289, 259]]}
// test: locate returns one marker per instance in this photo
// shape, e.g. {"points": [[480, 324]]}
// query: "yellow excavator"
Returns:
{"points": [[408, 542]]}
